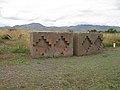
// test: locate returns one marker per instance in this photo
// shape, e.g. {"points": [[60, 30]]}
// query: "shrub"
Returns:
{"points": [[22, 50]]}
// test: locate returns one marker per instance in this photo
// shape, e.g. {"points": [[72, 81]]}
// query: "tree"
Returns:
{"points": [[93, 30], [111, 30]]}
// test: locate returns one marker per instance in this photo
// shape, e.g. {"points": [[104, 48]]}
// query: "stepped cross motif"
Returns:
{"points": [[87, 43], [98, 43]]}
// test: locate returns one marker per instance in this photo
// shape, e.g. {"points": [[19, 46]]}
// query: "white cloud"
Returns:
{"points": [[60, 12]]}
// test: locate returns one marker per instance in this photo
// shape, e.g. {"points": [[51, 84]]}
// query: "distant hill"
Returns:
{"points": [[37, 26]]}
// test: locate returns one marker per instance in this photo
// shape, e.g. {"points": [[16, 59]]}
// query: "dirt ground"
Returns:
{"points": [[94, 72]]}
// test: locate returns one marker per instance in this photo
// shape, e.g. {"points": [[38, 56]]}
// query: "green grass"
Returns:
{"points": [[94, 72], [20, 50], [13, 46], [18, 71], [14, 61]]}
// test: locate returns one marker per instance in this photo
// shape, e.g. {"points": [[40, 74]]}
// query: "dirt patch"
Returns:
{"points": [[8, 56], [5, 56], [1, 85]]}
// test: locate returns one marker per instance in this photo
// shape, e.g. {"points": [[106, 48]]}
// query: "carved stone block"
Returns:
{"points": [[87, 43], [51, 44]]}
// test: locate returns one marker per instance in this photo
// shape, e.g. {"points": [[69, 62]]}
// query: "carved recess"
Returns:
{"points": [[61, 45], [98, 43], [42, 46], [87, 43]]}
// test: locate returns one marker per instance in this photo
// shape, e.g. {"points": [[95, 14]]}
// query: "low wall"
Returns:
{"points": [[51, 44], [87, 43]]}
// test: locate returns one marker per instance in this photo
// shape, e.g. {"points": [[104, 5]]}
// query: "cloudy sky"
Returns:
{"points": [[60, 12]]}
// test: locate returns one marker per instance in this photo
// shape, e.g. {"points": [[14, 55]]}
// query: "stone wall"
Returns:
{"points": [[87, 43], [51, 44]]}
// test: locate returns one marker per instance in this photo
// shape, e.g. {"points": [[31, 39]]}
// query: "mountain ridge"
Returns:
{"points": [[82, 27]]}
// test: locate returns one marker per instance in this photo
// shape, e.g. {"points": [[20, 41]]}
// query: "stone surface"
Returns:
{"points": [[87, 43], [51, 44]]}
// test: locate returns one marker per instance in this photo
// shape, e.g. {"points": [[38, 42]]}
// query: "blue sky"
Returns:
{"points": [[60, 12]]}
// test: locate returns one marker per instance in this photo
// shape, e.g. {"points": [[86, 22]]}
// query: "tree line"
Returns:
{"points": [[111, 30]]}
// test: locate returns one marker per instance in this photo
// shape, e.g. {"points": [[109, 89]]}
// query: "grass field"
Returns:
{"points": [[24, 41], [110, 38], [95, 72], [18, 71]]}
